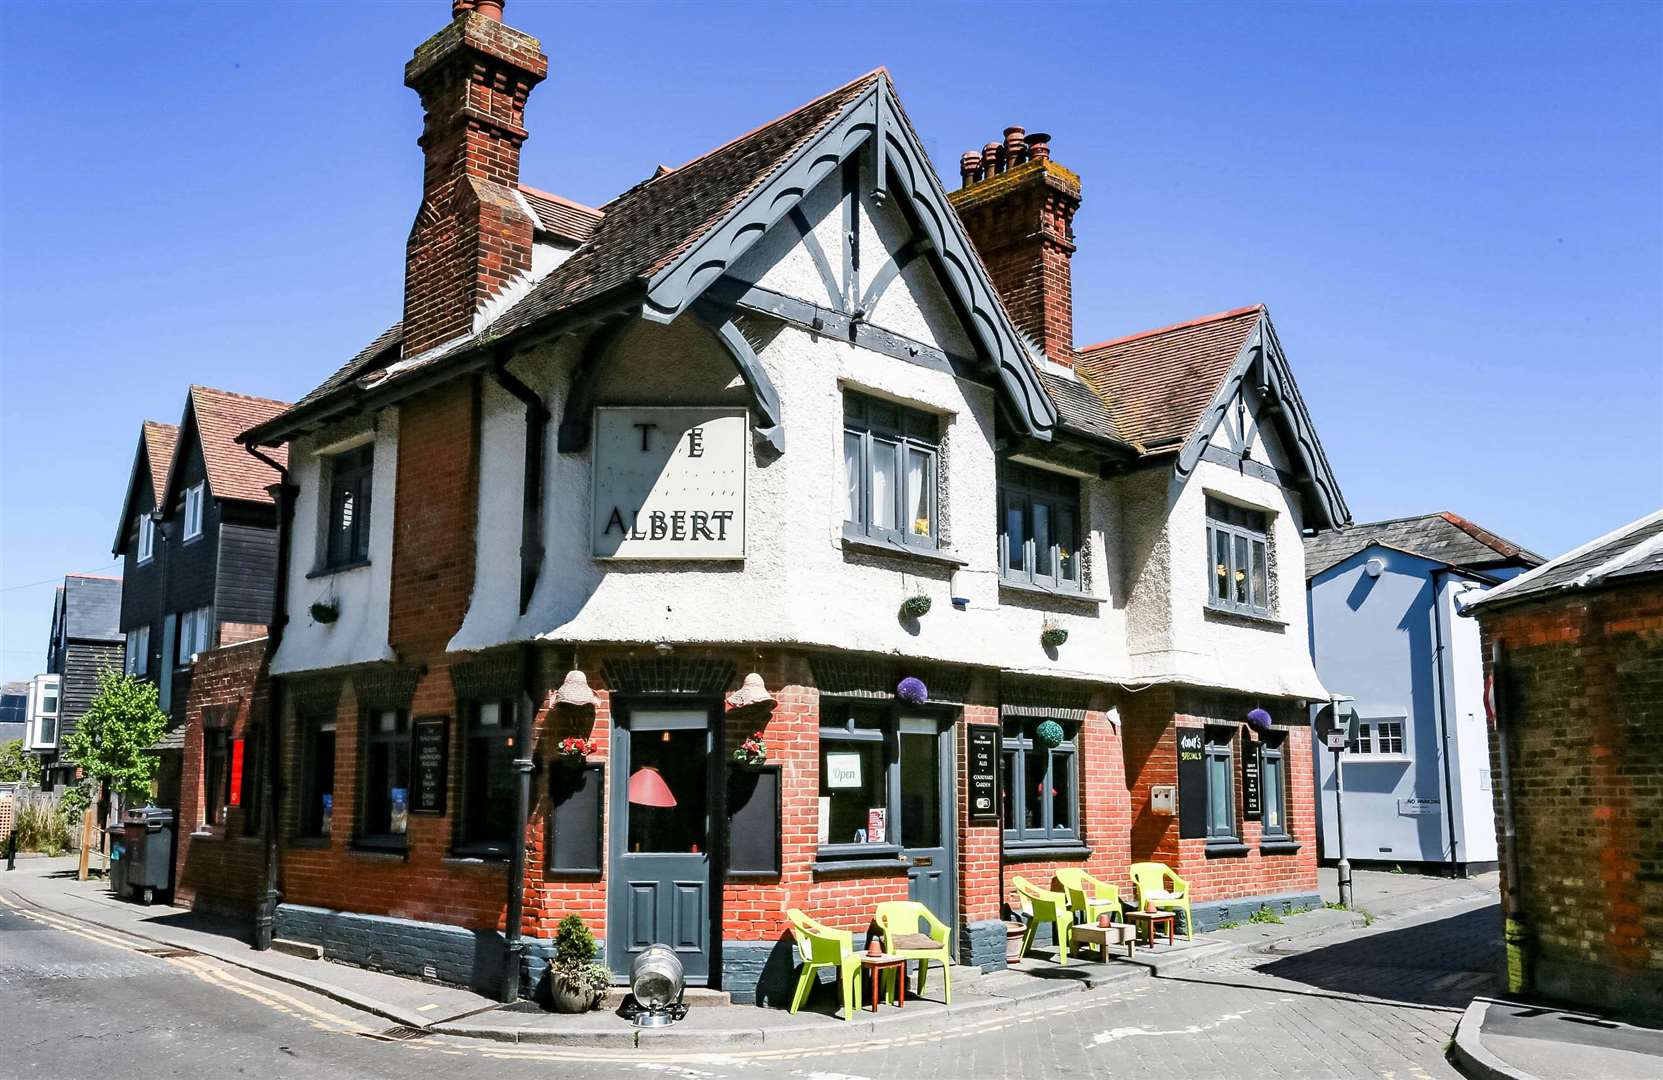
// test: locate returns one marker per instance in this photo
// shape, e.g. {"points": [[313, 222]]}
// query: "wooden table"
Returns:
{"points": [[876, 964], [1103, 937], [1147, 921]]}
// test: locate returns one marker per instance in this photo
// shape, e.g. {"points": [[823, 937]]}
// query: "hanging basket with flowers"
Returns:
{"points": [[575, 748], [1052, 635], [916, 606], [753, 751]]}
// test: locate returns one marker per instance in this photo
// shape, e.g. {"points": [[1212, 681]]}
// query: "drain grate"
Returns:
{"points": [[398, 1033], [169, 954]]}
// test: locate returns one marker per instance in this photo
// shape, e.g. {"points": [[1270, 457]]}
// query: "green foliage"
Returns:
{"points": [[1264, 915], [42, 825], [1298, 909], [574, 945], [73, 801], [1227, 925], [17, 766], [1334, 905], [113, 738]]}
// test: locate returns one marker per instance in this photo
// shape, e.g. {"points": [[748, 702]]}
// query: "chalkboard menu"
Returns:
{"points": [[431, 773], [984, 773], [753, 823], [575, 824], [1252, 798], [1192, 783]]}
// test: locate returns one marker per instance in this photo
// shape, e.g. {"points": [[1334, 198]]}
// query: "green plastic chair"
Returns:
{"points": [[823, 946], [1044, 906], [1150, 880], [1089, 896], [906, 925]]}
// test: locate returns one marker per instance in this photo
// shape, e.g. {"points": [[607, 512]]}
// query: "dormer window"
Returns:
{"points": [[1238, 547], [193, 510], [889, 465]]}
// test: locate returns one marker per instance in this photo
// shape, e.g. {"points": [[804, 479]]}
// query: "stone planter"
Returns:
{"points": [[570, 997]]}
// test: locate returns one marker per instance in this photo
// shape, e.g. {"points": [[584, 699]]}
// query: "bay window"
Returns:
{"points": [[1238, 544], [889, 463]]}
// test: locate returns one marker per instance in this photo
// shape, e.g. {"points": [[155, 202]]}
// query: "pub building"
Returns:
{"points": [[790, 443]]}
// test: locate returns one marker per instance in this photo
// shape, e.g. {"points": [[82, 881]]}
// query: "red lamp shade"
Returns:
{"points": [[647, 788]]}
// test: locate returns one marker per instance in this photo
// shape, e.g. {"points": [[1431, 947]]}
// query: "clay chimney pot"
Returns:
{"points": [[491, 9], [1039, 146], [970, 163]]}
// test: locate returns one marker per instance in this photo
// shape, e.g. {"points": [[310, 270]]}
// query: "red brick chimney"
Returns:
{"points": [[1018, 206], [472, 236]]}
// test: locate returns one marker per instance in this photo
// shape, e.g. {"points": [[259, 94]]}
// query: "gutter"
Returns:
{"points": [[265, 917]]}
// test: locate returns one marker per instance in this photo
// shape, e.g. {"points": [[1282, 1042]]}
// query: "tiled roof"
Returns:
{"points": [[92, 608], [568, 220], [234, 473], [159, 440], [1156, 385], [1635, 550], [1444, 538], [1078, 407], [635, 235]]}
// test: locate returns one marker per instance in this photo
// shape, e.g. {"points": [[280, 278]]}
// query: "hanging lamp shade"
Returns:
{"points": [[647, 788], [575, 690], [752, 692]]}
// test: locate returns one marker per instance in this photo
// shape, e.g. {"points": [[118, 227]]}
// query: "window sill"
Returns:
{"points": [[1032, 589], [1018, 852], [1228, 614], [379, 849], [478, 853], [856, 866], [315, 843], [866, 545], [1224, 849], [326, 571], [1376, 759], [1286, 845]]}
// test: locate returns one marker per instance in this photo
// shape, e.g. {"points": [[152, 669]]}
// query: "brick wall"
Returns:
{"points": [[1581, 698], [221, 868]]}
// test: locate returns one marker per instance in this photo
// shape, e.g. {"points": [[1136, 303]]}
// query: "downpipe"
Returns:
{"points": [[265, 917]]}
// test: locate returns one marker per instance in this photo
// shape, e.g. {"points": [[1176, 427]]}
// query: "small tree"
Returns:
{"points": [[17, 766], [112, 741]]}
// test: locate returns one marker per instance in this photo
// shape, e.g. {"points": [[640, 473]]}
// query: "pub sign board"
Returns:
{"points": [[1192, 783], [669, 483], [431, 774], [1252, 792], [984, 773]]}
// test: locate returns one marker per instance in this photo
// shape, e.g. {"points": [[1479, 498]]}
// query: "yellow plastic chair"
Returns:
{"points": [[1150, 880], [911, 931], [1044, 906], [1089, 896], [823, 946]]}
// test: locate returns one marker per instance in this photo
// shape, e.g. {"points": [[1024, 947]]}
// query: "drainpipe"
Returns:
{"points": [[514, 943], [1443, 716], [265, 917]]}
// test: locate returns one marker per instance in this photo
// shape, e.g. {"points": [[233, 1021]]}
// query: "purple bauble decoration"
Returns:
{"points": [[913, 691], [1259, 719]]}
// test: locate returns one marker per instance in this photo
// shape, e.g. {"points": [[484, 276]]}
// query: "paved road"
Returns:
{"points": [[76, 1001]]}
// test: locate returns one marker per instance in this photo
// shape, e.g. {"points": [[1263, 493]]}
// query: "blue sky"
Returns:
{"points": [[1454, 211]]}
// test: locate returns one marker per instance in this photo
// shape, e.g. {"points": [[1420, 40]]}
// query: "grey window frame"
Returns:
{"points": [[351, 471], [1048, 834], [311, 808], [368, 743], [1273, 758], [1384, 740], [474, 737], [888, 734], [1220, 744], [913, 430], [1251, 526], [1060, 493], [216, 768]]}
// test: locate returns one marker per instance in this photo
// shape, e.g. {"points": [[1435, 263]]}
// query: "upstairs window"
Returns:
{"points": [[196, 634], [138, 651], [193, 510], [46, 716], [889, 464], [1238, 542], [1039, 528], [147, 538], [348, 539]]}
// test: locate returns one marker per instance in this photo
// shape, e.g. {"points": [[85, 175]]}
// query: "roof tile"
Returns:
{"points": [[1444, 538], [159, 441], [234, 473]]}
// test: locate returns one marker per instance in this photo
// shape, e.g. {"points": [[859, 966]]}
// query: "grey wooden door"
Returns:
{"points": [[661, 826], [926, 760]]}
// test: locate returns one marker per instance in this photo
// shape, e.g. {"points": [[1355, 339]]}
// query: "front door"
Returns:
{"points": [[660, 870], [926, 752]]}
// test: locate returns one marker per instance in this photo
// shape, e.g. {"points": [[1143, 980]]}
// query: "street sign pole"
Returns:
{"points": [[1344, 867]]}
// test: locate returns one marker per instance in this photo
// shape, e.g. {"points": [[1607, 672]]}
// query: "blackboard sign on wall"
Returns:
{"points": [[1251, 793], [431, 773], [753, 822], [575, 825], [984, 774], [1192, 783]]}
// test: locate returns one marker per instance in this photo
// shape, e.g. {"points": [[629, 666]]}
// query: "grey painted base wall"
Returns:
{"points": [[1209, 915], [446, 954]]}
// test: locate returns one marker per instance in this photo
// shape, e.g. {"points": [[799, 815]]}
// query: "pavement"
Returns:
{"points": [[1505, 1040]]}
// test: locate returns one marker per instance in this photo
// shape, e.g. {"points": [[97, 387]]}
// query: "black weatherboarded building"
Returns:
{"points": [[86, 639]]}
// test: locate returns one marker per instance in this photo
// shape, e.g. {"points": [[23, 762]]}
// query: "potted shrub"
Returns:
{"points": [[576, 982]]}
